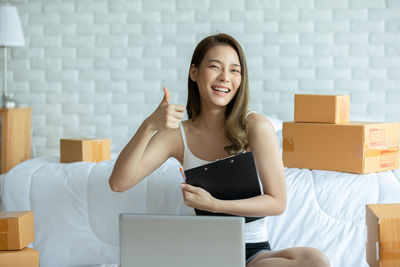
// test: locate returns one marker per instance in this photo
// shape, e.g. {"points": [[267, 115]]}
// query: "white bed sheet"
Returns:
{"points": [[76, 214]]}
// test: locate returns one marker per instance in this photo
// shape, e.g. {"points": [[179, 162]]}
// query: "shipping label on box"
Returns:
{"points": [[383, 235], [90, 150], [26, 257], [322, 108], [16, 230], [358, 147]]}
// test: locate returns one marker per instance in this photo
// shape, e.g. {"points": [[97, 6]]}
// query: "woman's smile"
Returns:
{"points": [[220, 90]]}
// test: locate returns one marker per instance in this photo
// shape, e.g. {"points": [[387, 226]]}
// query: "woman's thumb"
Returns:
{"points": [[166, 96]]}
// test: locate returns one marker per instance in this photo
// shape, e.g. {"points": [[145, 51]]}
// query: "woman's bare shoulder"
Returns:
{"points": [[257, 122], [262, 137]]}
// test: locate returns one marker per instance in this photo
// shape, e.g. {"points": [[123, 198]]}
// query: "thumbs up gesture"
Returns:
{"points": [[166, 96], [167, 116]]}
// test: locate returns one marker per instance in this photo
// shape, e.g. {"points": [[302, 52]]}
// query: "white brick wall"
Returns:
{"points": [[95, 68]]}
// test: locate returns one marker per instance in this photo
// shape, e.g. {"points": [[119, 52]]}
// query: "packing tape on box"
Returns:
{"points": [[3, 234], [288, 145], [391, 246], [345, 103], [389, 255], [3, 241], [379, 152], [97, 150]]}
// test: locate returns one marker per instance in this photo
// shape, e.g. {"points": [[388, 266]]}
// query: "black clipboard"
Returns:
{"points": [[227, 179]]}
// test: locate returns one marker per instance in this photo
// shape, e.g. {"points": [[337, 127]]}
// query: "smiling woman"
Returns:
{"points": [[222, 77], [225, 59], [219, 125]]}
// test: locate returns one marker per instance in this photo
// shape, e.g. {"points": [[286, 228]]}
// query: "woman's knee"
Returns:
{"points": [[314, 258]]}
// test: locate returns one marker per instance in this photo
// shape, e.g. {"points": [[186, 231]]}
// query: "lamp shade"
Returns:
{"points": [[11, 33]]}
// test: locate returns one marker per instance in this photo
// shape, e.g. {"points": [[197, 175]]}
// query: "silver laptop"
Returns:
{"points": [[181, 241]]}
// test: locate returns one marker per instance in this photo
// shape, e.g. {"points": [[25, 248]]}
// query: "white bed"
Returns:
{"points": [[76, 214]]}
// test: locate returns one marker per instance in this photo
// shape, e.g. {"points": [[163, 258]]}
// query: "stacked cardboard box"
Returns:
{"points": [[321, 137], [322, 108], [16, 233], [383, 235], [86, 149]]}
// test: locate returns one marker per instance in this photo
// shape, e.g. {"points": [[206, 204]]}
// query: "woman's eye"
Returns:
{"points": [[237, 71], [214, 67]]}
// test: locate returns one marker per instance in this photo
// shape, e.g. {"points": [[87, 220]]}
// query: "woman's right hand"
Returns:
{"points": [[166, 116]]}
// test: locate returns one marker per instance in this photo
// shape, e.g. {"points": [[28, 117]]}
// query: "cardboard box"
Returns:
{"points": [[358, 147], [322, 108], [383, 235], [26, 257], [91, 150], [16, 230]]}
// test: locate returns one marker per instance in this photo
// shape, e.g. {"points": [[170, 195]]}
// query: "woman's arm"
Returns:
{"points": [[146, 151], [264, 145]]}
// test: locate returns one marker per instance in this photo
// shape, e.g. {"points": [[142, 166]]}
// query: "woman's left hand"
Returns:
{"points": [[198, 198]]}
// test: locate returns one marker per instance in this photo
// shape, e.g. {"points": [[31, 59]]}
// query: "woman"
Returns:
{"points": [[218, 126]]}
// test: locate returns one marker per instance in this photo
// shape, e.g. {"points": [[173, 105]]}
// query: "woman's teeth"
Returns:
{"points": [[219, 89]]}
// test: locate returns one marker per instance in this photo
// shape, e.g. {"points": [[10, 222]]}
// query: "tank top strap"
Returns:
{"points": [[249, 112], [183, 136]]}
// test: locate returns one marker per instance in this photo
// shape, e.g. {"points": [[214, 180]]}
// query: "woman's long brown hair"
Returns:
{"points": [[235, 113]]}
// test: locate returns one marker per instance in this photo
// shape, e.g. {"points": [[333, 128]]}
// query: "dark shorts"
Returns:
{"points": [[253, 249]]}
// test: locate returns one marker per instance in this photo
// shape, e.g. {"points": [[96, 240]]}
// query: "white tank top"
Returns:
{"points": [[255, 231]]}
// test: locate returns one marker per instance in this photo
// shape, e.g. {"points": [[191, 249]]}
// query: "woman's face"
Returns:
{"points": [[218, 76]]}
